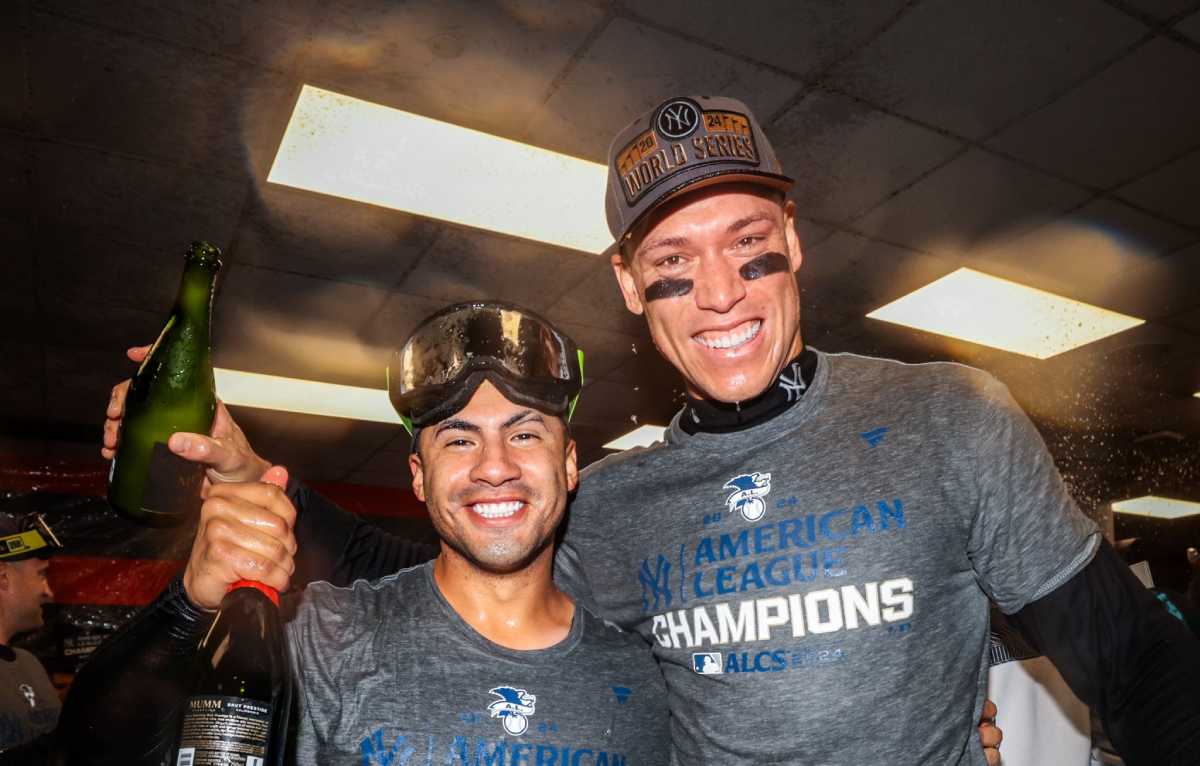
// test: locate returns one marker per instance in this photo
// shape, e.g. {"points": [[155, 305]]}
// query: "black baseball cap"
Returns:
{"points": [[685, 143], [26, 536]]}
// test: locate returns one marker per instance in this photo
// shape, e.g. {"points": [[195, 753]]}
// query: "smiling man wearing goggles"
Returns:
{"points": [[475, 656]]}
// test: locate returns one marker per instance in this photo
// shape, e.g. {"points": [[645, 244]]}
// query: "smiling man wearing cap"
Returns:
{"points": [[812, 549]]}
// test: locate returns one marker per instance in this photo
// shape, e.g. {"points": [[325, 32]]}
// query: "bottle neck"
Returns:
{"points": [[266, 590], [194, 302]]}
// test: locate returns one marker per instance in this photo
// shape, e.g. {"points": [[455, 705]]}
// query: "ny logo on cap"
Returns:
{"points": [[677, 119]]}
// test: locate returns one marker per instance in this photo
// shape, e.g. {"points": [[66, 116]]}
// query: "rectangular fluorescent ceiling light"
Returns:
{"points": [[271, 392], [349, 148], [990, 311], [642, 436], [1157, 507]]}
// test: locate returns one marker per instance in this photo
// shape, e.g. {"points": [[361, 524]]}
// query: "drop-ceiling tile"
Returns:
{"points": [[81, 266], [974, 198], [1190, 26], [604, 350], [631, 68], [149, 99], [133, 200], [1143, 231], [798, 37], [1160, 287], [596, 302], [469, 264], [75, 323], [810, 233], [1162, 9], [16, 266], [970, 66], [328, 237], [1172, 190], [849, 276], [15, 157], [21, 380], [266, 33], [386, 331], [1119, 124], [79, 382], [1083, 255], [485, 66], [846, 156], [1189, 321], [14, 58], [287, 324]]}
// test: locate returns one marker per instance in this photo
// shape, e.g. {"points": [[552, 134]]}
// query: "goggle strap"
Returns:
{"points": [[575, 398], [406, 421]]}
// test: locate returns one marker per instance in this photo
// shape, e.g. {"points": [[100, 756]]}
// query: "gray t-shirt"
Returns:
{"points": [[389, 675], [816, 587], [29, 704]]}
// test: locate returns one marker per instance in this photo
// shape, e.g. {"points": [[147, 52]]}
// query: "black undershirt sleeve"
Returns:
{"points": [[1124, 655], [339, 547], [124, 705]]}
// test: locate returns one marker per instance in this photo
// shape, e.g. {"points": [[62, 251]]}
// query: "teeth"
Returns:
{"points": [[497, 510], [732, 340]]}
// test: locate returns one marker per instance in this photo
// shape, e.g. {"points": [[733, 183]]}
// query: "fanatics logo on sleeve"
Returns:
{"points": [[513, 708], [749, 489], [874, 436]]}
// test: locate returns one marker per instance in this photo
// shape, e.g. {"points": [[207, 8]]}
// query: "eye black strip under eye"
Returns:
{"points": [[668, 288], [764, 265]]}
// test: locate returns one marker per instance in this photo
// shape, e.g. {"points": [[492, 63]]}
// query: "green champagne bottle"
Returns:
{"points": [[172, 391]]}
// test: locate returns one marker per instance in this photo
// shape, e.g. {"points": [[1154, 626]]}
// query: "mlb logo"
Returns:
{"points": [[708, 663]]}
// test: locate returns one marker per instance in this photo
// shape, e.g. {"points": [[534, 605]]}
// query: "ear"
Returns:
{"points": [[572, 465], [795, 256], [627, 283], [418, 476], [5, 576]]}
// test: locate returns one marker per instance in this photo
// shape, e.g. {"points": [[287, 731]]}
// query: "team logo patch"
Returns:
{"points": [[748, 491], [708, 663], [513, 708], [677, 119]]}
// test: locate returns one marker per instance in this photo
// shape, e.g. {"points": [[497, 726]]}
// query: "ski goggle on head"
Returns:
{"points": [[35, 539], [446, 358]]}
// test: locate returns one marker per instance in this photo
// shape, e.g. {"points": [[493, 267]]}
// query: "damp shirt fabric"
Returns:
{"points": [[816, 587], [387, 674]]}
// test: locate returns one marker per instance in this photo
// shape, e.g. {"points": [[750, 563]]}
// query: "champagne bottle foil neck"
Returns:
{"points": [[266, 590]]}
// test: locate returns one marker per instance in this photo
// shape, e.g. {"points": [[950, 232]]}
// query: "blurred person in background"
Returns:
{"points": [[29, 703]]}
